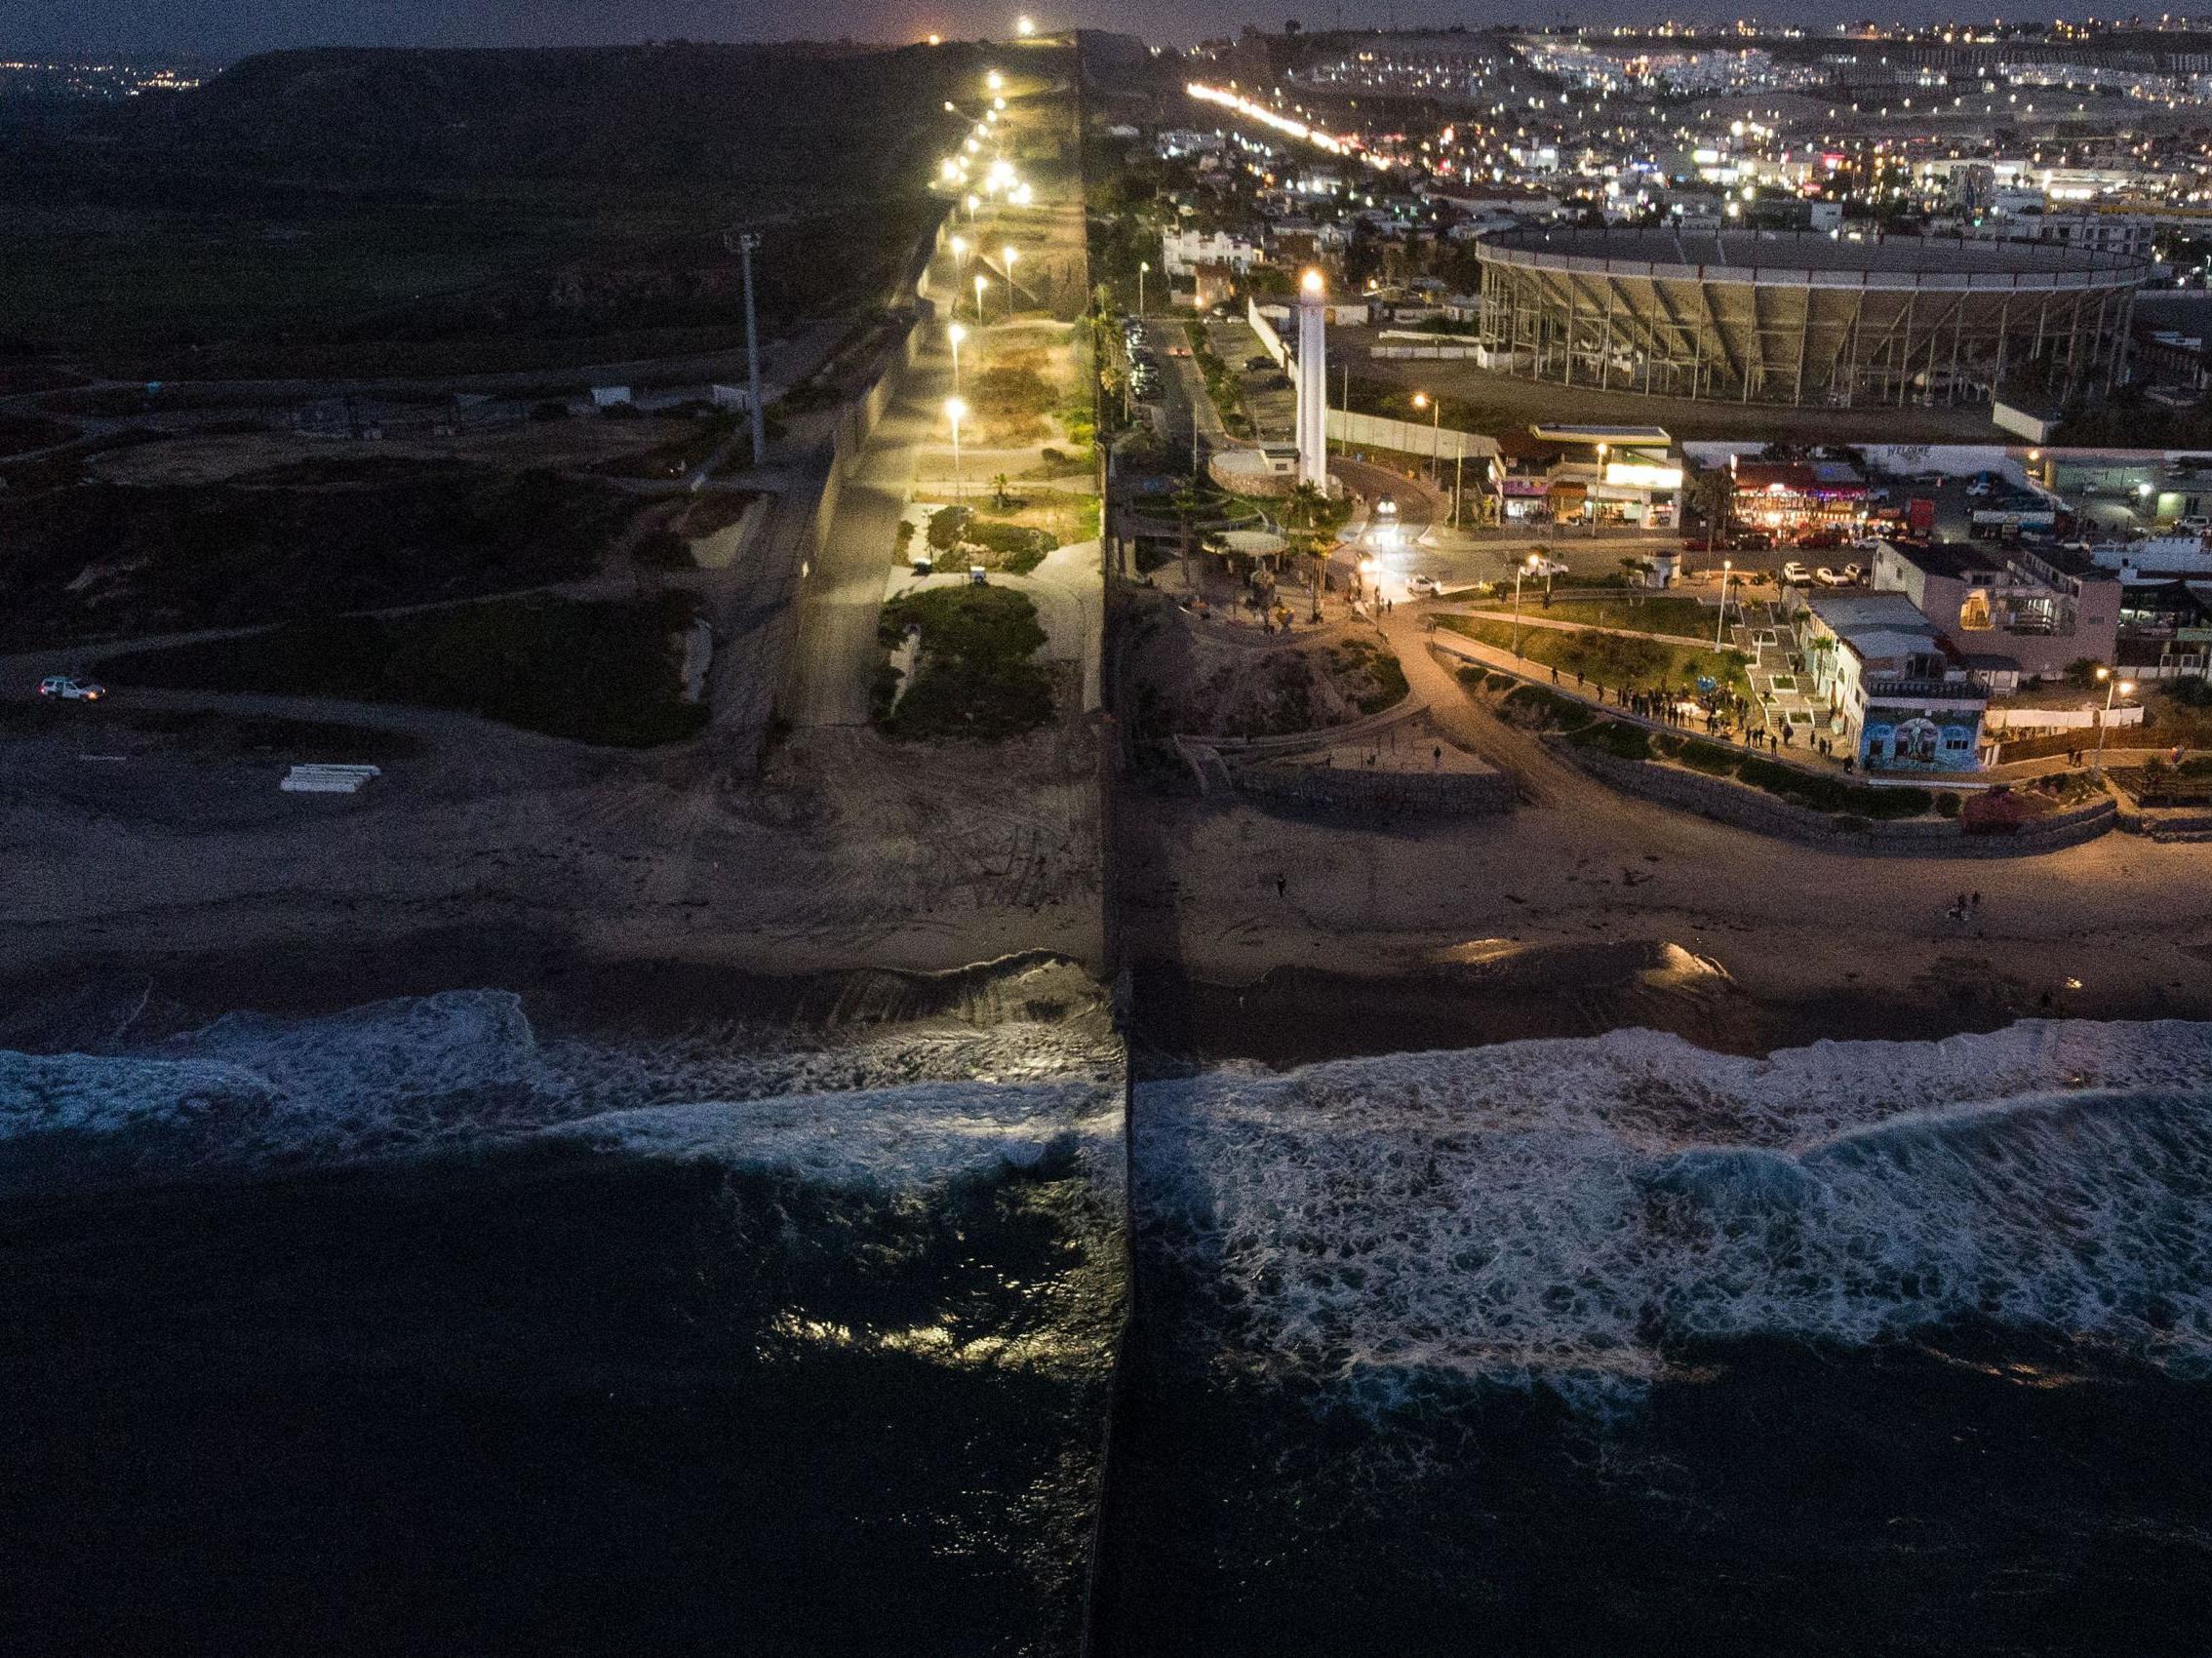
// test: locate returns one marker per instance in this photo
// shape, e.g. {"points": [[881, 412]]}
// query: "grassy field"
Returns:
{"points": [[598, 672], [105, 561], [977, 677], [1684, 618], [339, 211], [1608, 659]]}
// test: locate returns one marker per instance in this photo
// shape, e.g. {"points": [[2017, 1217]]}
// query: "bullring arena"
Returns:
{"points": [[1804, 317]]}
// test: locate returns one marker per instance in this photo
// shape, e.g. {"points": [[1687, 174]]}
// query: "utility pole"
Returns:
{"points": [[745, 240]]}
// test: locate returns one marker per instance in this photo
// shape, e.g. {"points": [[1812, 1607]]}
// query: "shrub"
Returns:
{"points": [[945, 526], [1472, 677], [1616, 737], [1947, 804], [974, 677], [1710, 758], [1545, 709]]}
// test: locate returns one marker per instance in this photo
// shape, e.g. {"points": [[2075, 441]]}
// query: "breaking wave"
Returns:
{"points": [[895, 1105], [1571, 1213]]}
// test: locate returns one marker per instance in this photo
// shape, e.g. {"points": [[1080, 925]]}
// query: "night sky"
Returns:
{"points": [[234, 28]]}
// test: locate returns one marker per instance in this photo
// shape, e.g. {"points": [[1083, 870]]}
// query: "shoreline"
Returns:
{"points": [[1739, 991], [54, 1003]]}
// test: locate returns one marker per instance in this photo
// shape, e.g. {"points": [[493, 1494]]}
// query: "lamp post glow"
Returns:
{"points": [[2125, 687], [982, 282], [956, 411], [974, 202], [1593, 491], [1422, 400], [1009, 256], [956, 332], [1143, 270], [995, 81], [1025, 26], [1721, 620]]}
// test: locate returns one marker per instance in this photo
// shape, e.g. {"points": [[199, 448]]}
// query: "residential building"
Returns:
{"points": [[2014, 614], [1183, 251], [1901, 700]]}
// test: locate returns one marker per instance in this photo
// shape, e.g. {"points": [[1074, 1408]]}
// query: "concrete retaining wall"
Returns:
{"points": [[1755, 810]]}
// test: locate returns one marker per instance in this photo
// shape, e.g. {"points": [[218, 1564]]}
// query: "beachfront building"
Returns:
{"points": [[1899, 698], [2012, 615]]}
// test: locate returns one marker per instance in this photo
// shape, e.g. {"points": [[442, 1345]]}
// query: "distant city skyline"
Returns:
{"points": [[230, 28]]}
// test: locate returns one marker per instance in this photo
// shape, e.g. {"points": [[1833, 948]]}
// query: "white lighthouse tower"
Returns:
{"points": [[1313, 384]]}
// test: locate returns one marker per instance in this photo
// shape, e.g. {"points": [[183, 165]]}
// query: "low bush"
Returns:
{"points": [[1947, 804], [946, 525], [1386, 686], [1616, 737], [1710, 758], [976, 677], [1544, 709]]}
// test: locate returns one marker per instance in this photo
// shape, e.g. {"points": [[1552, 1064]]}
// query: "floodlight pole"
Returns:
{"points": [[747, 240]]}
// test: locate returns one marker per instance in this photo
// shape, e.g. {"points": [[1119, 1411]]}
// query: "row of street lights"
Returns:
{"points": [[998, 181]]}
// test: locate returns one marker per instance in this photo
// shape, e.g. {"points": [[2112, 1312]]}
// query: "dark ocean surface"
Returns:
{"points": [[410, 1329]]}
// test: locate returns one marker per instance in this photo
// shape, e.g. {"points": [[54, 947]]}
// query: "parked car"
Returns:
{"points": [[1752, 541], [1540, 565], [1386, 506], [1827, 578], [1852, 572], [1983, 484], [1423, 585], [2196, 524], [1868, 544], [60, 687], [1795, 573]]}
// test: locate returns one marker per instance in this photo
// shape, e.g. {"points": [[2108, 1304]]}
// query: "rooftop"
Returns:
{"points": [[1876, 625], [1780, 252]]}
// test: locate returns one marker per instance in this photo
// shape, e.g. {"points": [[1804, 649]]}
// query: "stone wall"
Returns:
{"points": [[1746, 807]]}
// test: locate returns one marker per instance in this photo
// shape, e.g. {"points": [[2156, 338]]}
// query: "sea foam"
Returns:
{"points": [[1570, 1213], [897, 1104]]}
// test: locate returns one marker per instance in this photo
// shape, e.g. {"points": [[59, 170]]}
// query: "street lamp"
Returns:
{"points": [[1010, 255], [956, 411], [1527, 566], [1025, 26], [1721, 620], [1422, 400], [956, 332], [982, 282], [995, 81], [1143, 270], [2125, 687], [1601, 447], [974, 202]]}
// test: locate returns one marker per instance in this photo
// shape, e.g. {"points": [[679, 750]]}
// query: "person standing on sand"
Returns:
{"points": [[1281, 886]]}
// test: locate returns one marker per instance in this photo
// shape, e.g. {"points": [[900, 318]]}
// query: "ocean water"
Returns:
{"points": [[419, 1328], [413, 1328], [1615, 1345]]}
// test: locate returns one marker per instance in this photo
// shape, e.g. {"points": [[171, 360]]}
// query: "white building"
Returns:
{"points": [[2126, 234], [1183, 251]]}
